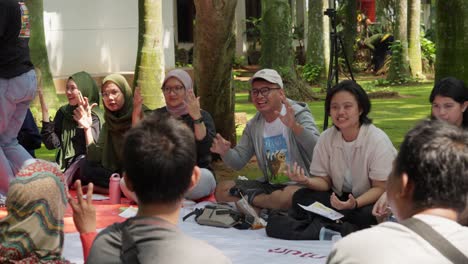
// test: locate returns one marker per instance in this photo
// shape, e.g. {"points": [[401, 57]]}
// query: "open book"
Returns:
{"points": [[320, 209]]}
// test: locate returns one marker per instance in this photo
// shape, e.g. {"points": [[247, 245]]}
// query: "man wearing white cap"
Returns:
{"points": [[281, 133]]}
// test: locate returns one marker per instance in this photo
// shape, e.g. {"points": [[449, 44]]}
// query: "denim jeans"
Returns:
{"points": [[15, 95]]}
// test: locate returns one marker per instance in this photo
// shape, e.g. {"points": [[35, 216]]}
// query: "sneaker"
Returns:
{"points": [[248, 193]]}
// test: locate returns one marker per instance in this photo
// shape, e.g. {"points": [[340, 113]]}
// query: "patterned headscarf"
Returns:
{"points": [[32, 232], [186, 81]]}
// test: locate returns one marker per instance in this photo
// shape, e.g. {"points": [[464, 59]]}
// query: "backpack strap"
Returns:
{"points": [[197, 212], [436, 240], [129, 252]]}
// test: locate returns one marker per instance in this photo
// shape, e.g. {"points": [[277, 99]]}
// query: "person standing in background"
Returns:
{"points": [[17, 86], [29, 136]]}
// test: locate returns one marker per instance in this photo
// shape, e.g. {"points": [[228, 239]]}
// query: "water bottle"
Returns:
{"points": [[114, 188], [328, 234]]}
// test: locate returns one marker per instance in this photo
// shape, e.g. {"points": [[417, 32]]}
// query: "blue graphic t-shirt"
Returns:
{"points": [[275, 145]]}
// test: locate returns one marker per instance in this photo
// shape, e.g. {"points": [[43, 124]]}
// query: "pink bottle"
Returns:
{"points": [[114, 188]]}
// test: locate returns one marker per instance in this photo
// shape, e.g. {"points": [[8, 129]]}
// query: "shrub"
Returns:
{"points": [[311, 73]]}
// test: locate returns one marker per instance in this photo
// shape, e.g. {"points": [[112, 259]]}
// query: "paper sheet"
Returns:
{"points": [[320, 209], [129, 212], [98, 197]]}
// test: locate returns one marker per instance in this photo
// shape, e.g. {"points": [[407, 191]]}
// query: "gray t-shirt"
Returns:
{"points": [[156, 240], [391, 242]]}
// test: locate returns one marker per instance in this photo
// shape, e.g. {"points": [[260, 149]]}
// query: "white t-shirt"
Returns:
{"points": [[391, 242], [373, 154], [348, 148], [276, 147]]}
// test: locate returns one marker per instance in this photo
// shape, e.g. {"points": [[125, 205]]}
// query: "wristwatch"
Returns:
{"points": [[198, 121]]}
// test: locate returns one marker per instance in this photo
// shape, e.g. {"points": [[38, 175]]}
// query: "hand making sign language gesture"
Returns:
{"points": [[84, 212], [343, 205], [289, 118], [296, 174], [82, 113], [193, 105], [220, 145]]}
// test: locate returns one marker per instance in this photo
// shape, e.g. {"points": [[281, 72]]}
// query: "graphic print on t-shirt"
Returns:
{"points": [[276, 151], [25, 31]]}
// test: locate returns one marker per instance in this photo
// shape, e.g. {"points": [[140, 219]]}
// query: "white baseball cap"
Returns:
{"points": [[268, 75]]}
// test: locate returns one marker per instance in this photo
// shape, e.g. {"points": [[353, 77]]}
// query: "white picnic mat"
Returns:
{"points": [[241, 246]]}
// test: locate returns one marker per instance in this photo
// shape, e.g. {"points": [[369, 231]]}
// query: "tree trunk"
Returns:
{"points": [[277, 51], [399, 68], [414, 35], [318, 35], [149, 67], [452, 39], [38, 53], [350, 29], [214, 48]]}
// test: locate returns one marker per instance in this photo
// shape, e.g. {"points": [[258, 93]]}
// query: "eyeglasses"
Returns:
{"points": [[114, 93], [176, 89], [264, 91]]}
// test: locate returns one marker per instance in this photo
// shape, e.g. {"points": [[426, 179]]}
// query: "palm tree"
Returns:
{"points": [[318, 39], [277, 51], [399, 69], [149, 68], [452, 39], [350, 28], [414, 35], [213, 53]]}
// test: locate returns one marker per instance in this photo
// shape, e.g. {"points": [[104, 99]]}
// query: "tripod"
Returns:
{"points": [[333, 67]]}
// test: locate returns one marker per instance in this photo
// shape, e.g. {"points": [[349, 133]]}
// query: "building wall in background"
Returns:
{"points": [[98, 36]]}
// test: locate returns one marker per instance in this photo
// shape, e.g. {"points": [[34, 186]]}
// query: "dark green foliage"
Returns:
{"points": [[428, 50], [398, 72], [253, 30], [311, 73]]}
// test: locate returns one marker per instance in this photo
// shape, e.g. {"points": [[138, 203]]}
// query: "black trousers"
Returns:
{"points": [[361, 217], [95, 173]]}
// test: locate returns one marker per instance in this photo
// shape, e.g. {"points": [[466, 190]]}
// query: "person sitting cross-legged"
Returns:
{"points": [[182, 104], [281, 132], [351, 162], [32, 232], [159, 160], [428, 188]]}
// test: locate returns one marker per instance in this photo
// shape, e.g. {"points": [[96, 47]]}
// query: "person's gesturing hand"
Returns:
{"points": [[84, 212], [220, 145]]}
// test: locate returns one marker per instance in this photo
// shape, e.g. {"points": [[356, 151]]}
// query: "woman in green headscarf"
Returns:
{"points": [[105, 156], [64, 133]]}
